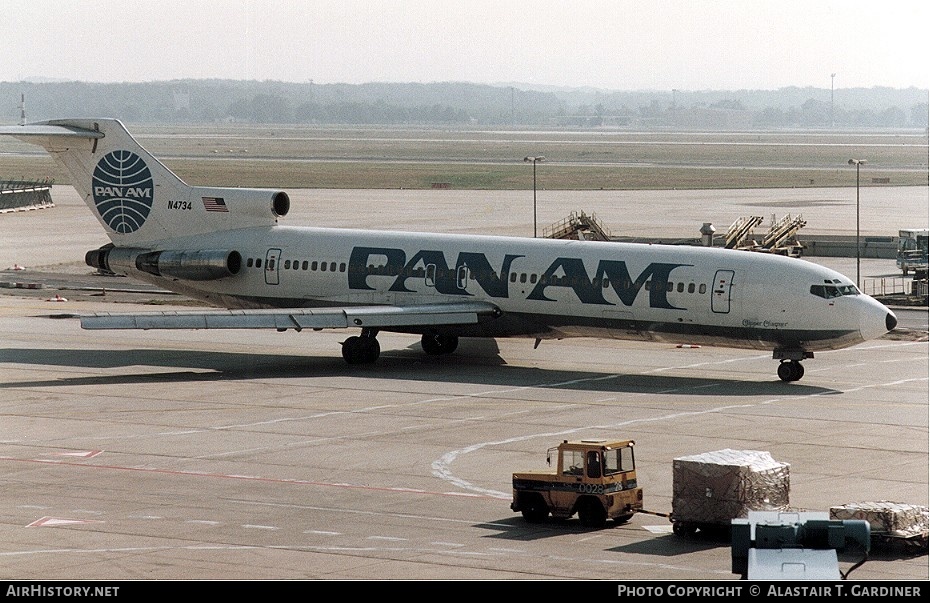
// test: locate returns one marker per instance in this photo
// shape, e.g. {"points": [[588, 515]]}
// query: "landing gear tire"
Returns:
{"points": [[535, 510], [790, 370], [361, 350], [592, 514], [435, 345]]}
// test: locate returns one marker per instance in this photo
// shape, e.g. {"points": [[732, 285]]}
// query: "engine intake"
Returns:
{"points": [[280, 204]]}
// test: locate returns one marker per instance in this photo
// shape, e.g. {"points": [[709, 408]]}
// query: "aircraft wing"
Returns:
{"points": [[372, 317]]}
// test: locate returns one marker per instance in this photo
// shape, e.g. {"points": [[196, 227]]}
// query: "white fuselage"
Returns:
{"points": [[544, 288]]}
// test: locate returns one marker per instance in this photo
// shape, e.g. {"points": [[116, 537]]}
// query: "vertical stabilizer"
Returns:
{"points": [[137, 199]]}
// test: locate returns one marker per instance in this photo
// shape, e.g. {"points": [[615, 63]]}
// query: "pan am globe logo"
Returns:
{"points": [[123, 191]]}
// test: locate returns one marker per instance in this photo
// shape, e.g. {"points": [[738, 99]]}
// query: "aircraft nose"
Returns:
{"points": [[891, 321], [875, 319]]}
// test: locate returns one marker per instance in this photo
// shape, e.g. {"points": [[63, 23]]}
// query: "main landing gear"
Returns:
{"points": [[789, 366], [436, 345], [365, 349]]}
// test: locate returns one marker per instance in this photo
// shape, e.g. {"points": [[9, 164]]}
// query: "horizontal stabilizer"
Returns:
{"points": [[49, 130]]}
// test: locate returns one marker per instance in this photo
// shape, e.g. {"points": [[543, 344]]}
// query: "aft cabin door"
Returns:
{"points": [[720, 300], [272, 259]]}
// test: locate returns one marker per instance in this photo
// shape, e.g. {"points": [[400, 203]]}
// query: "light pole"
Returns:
{"points": [[857, 163], [832, 122], [535, 160]]}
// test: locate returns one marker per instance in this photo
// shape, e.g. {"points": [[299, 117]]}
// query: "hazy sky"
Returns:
{"points": [[614, 44]]}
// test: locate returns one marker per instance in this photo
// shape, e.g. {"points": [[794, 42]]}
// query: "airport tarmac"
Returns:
{"points": [[256, 456]]}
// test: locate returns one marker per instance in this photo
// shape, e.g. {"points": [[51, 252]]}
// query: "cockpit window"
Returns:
{"points": [[833, 288]]}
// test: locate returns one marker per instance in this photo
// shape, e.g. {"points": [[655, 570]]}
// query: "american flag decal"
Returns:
{"points": [[214, 204]]}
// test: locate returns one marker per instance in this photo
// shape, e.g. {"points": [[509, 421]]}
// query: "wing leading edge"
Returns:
{"points": [[369, 317]]}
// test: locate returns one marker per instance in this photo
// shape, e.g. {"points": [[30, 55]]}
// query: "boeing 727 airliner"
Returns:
{"points": [[225, 246]]}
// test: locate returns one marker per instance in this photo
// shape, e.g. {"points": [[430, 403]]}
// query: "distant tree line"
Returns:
{"points": [[461, 104]]}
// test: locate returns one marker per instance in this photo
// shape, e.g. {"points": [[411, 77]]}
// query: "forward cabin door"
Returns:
{"points": [[720, 299]]}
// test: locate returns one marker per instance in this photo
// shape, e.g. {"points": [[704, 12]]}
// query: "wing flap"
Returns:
{"points": [[376, 317]]}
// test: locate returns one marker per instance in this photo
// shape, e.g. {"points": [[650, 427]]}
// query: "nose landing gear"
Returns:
{"points": [[790, 370], [789, 366]]}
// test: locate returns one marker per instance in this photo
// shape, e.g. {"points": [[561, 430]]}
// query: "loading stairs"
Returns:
{"points": [[740, 230], [578, 225], [781, 237]]}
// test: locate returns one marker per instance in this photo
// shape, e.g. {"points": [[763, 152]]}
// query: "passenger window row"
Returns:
{"points": [[605, 283], [314, 265]]}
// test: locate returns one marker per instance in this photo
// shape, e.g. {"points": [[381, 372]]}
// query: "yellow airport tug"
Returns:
{"points": [[594, 478]]}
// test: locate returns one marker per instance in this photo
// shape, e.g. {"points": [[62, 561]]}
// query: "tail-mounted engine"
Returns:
{"points": [[195, 265]]}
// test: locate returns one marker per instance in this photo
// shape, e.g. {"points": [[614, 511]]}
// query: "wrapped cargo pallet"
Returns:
{"points": [[712, 488], [889, 520]]}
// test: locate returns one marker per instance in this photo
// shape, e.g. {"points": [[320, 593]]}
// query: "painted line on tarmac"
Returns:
{"points": [[442, 465]]}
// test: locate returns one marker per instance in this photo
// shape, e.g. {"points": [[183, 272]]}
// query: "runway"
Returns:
{"points": [[257, 456]]}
